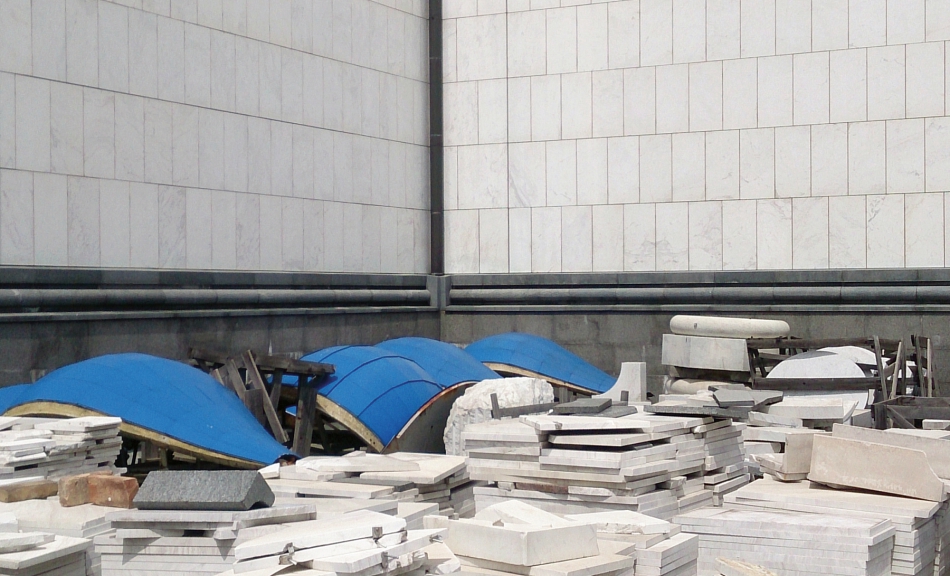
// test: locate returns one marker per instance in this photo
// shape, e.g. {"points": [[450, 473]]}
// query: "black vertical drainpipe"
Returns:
{"points": [[436, 152]]}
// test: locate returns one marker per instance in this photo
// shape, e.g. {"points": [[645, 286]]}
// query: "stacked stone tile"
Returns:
{"points": [[656, 465], [791, 542], [33, 553], [47, 448]]}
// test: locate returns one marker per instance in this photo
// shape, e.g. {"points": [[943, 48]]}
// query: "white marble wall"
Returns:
{"points": [[215, 134], [585, 135]]}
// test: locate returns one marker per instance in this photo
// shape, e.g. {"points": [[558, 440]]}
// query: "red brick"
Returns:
{"points": [[114, 491]]}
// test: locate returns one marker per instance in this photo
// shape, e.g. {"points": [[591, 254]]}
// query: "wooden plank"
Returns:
{"points": [[276, 386], [880, 366], [816, 384], [255, 402], [296, 367], [813, 343], [897, 372], [930, 372], [234, 378], [219, 378], [257, 383], [208, 356], [306, 407]]}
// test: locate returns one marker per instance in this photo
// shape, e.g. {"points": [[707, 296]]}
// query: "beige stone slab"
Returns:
{"points": [[623, 522], [521, 545], [877, 467], [59, 547], [589, 566], [431, 468], [937, 450], [728, 354], [332, 489]]}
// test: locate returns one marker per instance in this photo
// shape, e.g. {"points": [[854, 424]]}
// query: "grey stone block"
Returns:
{"points": [[679, 410], [583, 406], [226, 490], [727, 398], [617, 412]]}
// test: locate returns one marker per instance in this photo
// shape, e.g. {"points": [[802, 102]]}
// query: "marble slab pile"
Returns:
{"points": [[33, 448], [791, 542], [921, 528], [404, 476], [364, 542], [656, 465], [781, 451], [154, 542], [39, 554]]}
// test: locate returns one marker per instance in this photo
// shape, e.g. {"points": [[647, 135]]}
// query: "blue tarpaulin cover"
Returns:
{"points": [[447, 364], [540, 356], [161, 395]]}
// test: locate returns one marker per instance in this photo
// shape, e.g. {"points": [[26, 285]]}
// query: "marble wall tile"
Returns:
{"points": [[905, 155], [481, 47], [397, 174], [451, 181], [281, 22], [757, 163], [519, 109], [623, 170], [775, 91], [247, 76], [591, 171], [304, 169], [82, 41], [705, 96], [526, 44], [689, 167], [849, 86], [271, 85], [15, 45], [421, 242], [656, 32], [672, 98], [259, 159], [143, 53], [866, 158], [449, 52], [938, 20], [607, 231], [923, 223], [561, 32], [114, 224], [129, 138], [185, 137], [937, 158], [867, 23], [739, 233], [48, 21], [362, 178], [8, 120], [50, 237], [493, 241], [809, 233], [234, 16], [526, 174], [757, 28], [82, 225], [639, 101], [314, 246], [906, 22], [292, 232], [829, 160], [198, 229], [98, 133], [113, 47], [722, 165], [32, 124], [184, 10], [886, 85], [493, 111], [258, 19], [235, 152], [313, 93], [722, 29], [143, 225], [608, 103], [705, 236], [576, 104], [16, 217], [482, 182], [158, 141], [561, 161], [811, 88], [885, 231], [461, 113], [793, 161], [546, 239], [461, 241], [925, 79], [333, 95], [623, 34], [847, 232], [171, 59], [639, 237], [291, 92], [740, 93], [592, 37], [794, 33], [247, 232], [672, 238], [577, 244], [271, 220], [519, 240], [333, 239], [211, 13], [830, 25], [545, 107], [774, 234], [211, 149], [380, 171], [689, 30]]}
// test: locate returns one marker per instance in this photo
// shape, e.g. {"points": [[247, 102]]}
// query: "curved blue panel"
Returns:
{"points": [[380, 388], [541, 356], [162, 395], [447, 364]]}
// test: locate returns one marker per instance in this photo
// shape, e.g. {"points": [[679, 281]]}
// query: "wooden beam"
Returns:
{"points": [[815, 384], [878, 354], [257, 383], [306, 407], [234, 378], [290, 366]]}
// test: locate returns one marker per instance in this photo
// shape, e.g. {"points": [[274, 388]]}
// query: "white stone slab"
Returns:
{"points": [[632, 380], [331, 489], [84, 424], [930, 424], [813, 408], [877, 467], [937, 450], [763, 419], [430, 468], [589, 566], [817, 364], [356, 462], [723, 327], [623, 522], [272, 471], [521, 545], [18, 542], [59, 547], [515, 512], [705, 353]]}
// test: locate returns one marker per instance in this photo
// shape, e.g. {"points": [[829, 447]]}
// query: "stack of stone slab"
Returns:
{"points": [[781, 451], [656, 465], [361, 542], [53, 448], [919, 533], [40, 554], [791, 542]]}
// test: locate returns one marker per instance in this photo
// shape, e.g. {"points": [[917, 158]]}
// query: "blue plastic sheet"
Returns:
{"points": [[447, 364]]}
